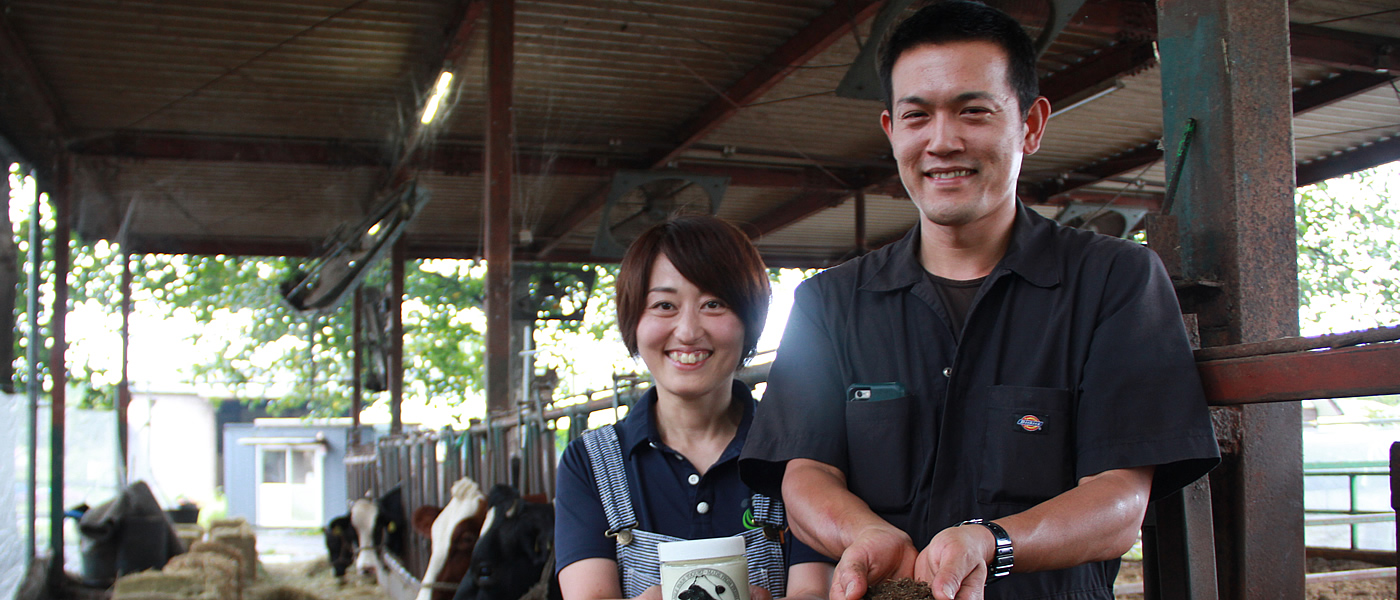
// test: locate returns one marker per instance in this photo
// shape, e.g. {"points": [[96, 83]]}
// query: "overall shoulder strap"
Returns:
{"points": [[605, 456], [769, 511]]}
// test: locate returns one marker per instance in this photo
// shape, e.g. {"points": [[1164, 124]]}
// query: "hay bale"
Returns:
{"points": [[283, 592], [229, 522], [188, 534], [245, 541], [219, 572], [223, 549], [149, 596], [179, 585]]}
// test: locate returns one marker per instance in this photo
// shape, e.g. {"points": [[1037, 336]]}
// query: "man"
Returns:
{"points": [[991, 367]]}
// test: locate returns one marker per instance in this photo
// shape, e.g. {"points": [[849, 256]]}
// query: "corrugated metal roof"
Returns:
{"points": [[599, 85]]}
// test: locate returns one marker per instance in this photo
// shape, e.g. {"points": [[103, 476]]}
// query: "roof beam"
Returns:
{"points": [[792, 211], [454, 50], [334, 153], [1309, 98], [1121, 60], [823, 31], [448, 159], [31, 119], [1351, 161], [820, 34], [1343, 49]]}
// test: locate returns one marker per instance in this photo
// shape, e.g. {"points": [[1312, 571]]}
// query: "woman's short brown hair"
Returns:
{"points": [[709, 252]]}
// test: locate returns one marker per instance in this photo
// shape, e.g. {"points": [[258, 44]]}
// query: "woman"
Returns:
{"points": [[692, 296]]}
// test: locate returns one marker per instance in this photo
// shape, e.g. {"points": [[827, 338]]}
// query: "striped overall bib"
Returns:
{"points": [[637, 562]]}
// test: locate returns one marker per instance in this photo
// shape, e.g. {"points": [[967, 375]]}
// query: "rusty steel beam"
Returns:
{"points": [[1226, 73], [819, 35], [500, 145], [1350, 161], [31, 118], [335, 153], [58, 363], [357, 359], [1337, 373], [807, 43], [1336, 89], [1306, 99], [456, 46], [1121, 60], [397, 276], [804, 205], [1343, 49]]}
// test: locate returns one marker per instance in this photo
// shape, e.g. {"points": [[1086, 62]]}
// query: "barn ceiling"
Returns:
{"points": [[259, 126]]}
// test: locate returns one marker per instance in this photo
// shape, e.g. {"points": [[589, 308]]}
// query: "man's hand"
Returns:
{"points": [[759, 593], [877, 553], [955, 563]]}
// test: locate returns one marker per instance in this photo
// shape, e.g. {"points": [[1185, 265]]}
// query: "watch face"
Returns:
{"points": [[706, 584]]}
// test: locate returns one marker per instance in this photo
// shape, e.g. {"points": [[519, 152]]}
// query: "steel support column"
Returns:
{"points": [[357, 358], [499, 146], [35, 382], [395, 374], [1225, 74], [124, 386], [58, 371], [1395, 496]]}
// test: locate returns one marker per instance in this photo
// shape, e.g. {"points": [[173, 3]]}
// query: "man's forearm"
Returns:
{"points": [[1060, 533], [822, 512]]}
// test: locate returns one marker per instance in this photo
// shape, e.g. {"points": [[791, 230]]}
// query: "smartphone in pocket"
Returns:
{"points": [[875, 392]]}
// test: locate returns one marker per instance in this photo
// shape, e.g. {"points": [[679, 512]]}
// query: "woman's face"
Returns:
{"points": [[690, 339]]}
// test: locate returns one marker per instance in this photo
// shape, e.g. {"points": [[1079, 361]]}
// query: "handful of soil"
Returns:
{"points": [[899, 589]]}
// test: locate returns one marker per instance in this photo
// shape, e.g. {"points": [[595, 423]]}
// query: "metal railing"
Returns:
{"points": [[1353, 516]]}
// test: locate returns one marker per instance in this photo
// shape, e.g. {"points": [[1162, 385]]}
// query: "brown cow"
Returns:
{"points": [[453, 530]]}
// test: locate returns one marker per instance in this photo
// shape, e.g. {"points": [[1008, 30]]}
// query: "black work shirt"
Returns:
{"points": [[667, 491], [1074, 360]]}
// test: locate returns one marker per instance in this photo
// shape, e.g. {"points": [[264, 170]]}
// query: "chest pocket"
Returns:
{"points": [[1029, 456], [888, 447]]}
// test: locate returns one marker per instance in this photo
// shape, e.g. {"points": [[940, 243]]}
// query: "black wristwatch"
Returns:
{"points": [[1003, 559]]}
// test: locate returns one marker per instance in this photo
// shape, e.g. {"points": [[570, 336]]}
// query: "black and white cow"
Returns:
{"points": [[515, 551], [342, 544], [371, 526]]}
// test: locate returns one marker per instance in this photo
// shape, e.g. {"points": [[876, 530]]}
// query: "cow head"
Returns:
{"points": [[453, 531], [379, 524], [341, 543], [516, 545]]}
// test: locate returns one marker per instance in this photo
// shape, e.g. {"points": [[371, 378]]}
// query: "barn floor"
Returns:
{"points": [[309, 580]]}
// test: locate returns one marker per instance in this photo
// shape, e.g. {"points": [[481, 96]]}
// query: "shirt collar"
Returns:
{"points": [[1032, 254], [639, 427]]}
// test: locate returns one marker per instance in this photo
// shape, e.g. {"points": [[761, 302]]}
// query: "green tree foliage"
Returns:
{"points": [[1348, 259], [268, 354]]}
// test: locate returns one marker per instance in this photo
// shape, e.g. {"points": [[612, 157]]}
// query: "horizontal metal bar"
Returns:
{"points": [[1328, 577], [1349, 520], [1338, 373]]}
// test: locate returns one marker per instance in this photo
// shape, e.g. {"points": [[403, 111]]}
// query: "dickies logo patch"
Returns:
{"points": [[1030, 423]]}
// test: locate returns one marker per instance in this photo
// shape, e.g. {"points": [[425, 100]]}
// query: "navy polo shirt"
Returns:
{"points": [[668, 495]]}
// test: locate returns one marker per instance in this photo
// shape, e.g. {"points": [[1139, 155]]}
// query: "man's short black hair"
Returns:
{"points": [[964, 21]]}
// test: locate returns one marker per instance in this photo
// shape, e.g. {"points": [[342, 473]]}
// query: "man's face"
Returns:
{"points": [[957, 132]]}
